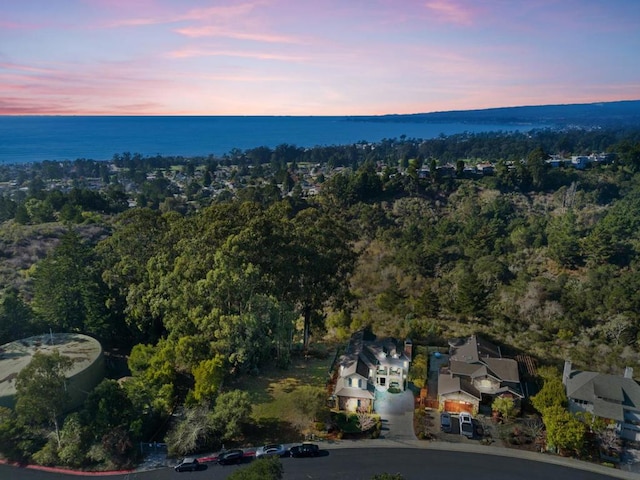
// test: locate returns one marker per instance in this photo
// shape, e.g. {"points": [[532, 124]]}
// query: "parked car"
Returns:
{"points": [[445, 422], [189, 464], [230, 456], [272, 450], [466, 425], [305, 450]]}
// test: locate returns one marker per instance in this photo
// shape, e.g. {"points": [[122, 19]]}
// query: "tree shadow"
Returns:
{"points": [[271, 430]]}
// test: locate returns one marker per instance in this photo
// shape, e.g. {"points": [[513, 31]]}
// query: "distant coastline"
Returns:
{"points": [[27, 139], [30, 139]]}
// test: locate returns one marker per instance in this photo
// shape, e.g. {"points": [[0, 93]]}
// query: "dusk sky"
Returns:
{"points": [[313, 57]]}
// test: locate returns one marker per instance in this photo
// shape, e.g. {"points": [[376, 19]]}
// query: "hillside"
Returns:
{"points": [[602, 114]]}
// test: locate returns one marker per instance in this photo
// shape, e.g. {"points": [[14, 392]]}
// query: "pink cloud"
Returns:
{"points": [[220, 13], [67, 89], [211, 31], [202, 52], [450, 11]]}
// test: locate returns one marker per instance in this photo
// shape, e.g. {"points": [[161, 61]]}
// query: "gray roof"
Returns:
{"points": [[610, 394], [463, 368], [450, 384], [502, 369], [343, 390], [472, 349], [506, 369]]}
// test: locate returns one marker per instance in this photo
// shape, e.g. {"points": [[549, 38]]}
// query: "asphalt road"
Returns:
{"points": [[362, 464]]}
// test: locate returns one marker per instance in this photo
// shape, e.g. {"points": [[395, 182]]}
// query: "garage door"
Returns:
{"points": [[457, 407]]}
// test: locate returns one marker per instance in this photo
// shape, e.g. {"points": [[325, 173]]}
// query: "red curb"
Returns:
{"points": [[67, 471]]}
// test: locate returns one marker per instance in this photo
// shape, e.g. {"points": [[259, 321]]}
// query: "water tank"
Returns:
{"points": [[86, 372]]}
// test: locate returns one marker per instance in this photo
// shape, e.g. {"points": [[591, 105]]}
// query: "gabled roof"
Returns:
{"points": [[449, 384], [609, 394], [472, 349], [352, 392], [476, 358], [505, 369], [350, 364], [364, 353]]}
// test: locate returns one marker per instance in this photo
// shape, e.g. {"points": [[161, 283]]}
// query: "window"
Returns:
{"points": [[359, 383], [350, 381], [383, 381]]}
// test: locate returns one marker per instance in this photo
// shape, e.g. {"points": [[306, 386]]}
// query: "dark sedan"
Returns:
{"points": [[190, 464], [305, 450], [231, 456]]}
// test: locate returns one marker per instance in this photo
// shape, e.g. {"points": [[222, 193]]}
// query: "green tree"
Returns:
{"points": [[22, 214], [68, 292], [12, 433], [16, 318], [471, 295], [264, 469], [563, 240], [208, 376], [138, 236], [151, 388], [323, 261], [505, 406], [552, 393], [231, 412], [40, 211], [564, 431], [7, 208], [106, 408], [74, 441], [537, 167], [41, 396]]}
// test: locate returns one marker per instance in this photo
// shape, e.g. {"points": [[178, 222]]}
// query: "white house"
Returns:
{"points": [[368, 365]]}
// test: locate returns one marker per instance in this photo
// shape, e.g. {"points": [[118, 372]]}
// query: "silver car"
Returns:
{"points": [[271, 450]]}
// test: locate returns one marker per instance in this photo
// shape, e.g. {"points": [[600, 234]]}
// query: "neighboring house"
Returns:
{"points": [[613, 397], [477, 373], [370, 364]]}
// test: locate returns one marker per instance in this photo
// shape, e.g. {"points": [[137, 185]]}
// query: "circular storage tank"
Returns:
{"points": [[87, 371]]}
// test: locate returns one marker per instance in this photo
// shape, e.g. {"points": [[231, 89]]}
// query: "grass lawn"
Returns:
{"points": [[272, 393]]}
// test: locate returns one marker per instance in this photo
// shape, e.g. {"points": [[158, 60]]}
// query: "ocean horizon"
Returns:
{"points": [[29, 139]]}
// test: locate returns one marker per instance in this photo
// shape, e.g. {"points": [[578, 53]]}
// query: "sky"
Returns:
{"points": [[313, 57]]}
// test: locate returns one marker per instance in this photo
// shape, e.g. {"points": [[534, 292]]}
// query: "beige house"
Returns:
{"points": [[477, 372]]}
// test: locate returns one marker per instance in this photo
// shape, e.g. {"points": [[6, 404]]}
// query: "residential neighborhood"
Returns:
{"points": [[462, 384]]}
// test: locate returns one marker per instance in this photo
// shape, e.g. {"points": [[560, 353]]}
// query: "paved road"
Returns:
{"points": [[363, 463]]}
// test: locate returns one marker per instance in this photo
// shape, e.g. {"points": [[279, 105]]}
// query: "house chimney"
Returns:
{"points": [[628, 372], [408, 349], [566, 373]]}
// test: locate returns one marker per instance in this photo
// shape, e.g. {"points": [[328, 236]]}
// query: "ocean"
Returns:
{"points": [[27, 139]]}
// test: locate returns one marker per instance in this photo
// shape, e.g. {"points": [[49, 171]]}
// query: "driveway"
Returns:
{"points": [[396, 412]]}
